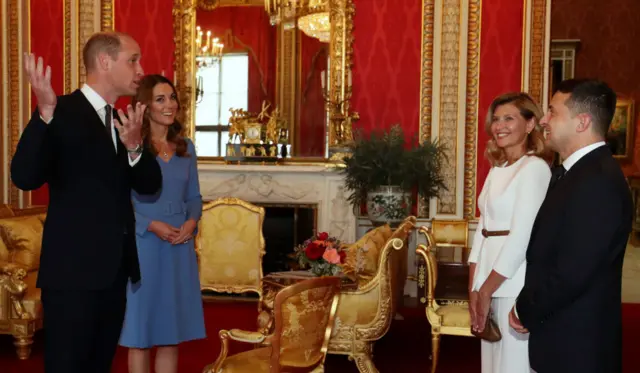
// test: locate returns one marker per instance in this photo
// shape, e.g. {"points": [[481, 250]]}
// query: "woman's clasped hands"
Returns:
{"points": [[172, 234]]}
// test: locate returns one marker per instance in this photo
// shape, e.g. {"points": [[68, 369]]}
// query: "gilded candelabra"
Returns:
{"points": [[341, 119]]}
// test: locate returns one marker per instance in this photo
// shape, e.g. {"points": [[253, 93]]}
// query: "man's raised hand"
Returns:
{"points": [[41, 85], [129, 126]]}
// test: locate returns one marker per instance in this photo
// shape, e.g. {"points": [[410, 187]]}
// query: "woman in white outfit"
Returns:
{"points": [[509, 202]]}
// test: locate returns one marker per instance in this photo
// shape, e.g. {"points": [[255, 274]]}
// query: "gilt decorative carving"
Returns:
{"points": [[471, 123]]}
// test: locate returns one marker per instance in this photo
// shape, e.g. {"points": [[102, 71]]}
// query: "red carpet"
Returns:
{"points": [[405, 348]]}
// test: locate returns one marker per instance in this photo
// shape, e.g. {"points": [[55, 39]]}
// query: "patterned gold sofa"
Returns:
{"points": [[20, 243], [364, 315]]}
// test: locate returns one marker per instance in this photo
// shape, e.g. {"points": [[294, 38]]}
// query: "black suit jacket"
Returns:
{"points": [[84, 244], [571, 298]]}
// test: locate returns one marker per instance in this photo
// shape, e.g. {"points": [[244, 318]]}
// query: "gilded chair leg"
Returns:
{"points": [[23, 346], [435, 350], [365, 364]]}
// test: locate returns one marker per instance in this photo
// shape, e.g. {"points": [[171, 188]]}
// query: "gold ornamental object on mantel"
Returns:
{"points": [[258, 135]]}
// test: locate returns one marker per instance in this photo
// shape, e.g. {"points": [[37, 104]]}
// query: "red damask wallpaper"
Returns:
{"points": [[386, 71], [500, 65], [47, 42], [150, 22], [609, 33]]}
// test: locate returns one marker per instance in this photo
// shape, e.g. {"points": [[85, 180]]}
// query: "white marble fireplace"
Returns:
{"points": [[291, 184]]}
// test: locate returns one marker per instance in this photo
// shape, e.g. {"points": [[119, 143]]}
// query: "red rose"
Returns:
{"points": [[323, 236], [343, 256], [314, 251]]}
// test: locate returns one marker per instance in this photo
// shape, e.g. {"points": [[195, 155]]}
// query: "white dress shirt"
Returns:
{"points": [[99, 104], [575, 157], [510, 200]]}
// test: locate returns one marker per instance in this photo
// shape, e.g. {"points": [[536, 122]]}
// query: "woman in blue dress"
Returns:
{"points": [[165, 307]]}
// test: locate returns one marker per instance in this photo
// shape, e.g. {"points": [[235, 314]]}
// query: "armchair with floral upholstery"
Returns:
{"points": [[230, 246], [20, 244], [450, 316], [304, 315], [364, 315]]}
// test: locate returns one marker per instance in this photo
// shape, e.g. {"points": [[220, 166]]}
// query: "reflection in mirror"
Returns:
{"points": [[245, 63], [241, 76], [314, 67]]}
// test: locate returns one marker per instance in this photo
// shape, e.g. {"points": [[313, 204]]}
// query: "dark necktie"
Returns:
{"points": [[108, 123], [556, 174]]}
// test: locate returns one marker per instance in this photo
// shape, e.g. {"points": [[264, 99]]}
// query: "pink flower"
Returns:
{"points": [[331, 256]]}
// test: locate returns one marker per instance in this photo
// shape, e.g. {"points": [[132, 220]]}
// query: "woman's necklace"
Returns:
{"points": [[161, 147]]}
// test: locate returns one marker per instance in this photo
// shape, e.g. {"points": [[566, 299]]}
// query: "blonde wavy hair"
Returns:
{"points": [[528, 110]]}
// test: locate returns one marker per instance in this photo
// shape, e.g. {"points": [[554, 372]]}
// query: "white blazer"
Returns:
{"points": [[509, 200]]}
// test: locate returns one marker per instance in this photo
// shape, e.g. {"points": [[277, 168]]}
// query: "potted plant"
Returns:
{"points": [[384, 171]]}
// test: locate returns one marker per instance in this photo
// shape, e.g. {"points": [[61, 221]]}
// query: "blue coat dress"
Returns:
{"points": [[165, 307]]}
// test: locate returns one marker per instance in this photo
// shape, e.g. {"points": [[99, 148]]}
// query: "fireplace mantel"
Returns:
{"points": [[295, 184]]}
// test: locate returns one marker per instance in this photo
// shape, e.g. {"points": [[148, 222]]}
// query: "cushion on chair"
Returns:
{"points": [[253, 361], [363, 255], [256, 360], [455, 315]]}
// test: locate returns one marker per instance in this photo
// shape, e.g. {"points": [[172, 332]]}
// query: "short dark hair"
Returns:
{"points": [[107, 41], [593, 97]]}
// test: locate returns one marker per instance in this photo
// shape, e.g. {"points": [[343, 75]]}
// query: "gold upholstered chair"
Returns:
{"points": [[230, 246], [364, 314], [20, 244], [304, 315], [445, 297], [451, 238]]}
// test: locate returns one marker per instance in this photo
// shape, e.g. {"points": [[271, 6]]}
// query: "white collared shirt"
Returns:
{"points": [[99, 104], [575, 157]]}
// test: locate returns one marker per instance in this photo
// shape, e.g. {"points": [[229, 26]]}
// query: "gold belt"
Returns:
{"points": [[487, 233]]}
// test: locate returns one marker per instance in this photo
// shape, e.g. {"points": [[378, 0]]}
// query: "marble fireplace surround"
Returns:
{"points": [[291, 184]]}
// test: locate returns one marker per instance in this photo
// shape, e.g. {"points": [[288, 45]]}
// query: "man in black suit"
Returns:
{"points": [[570, 302], [91, 158]]}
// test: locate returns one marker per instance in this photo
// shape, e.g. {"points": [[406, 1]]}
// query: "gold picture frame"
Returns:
{"points": [[621, 131]]}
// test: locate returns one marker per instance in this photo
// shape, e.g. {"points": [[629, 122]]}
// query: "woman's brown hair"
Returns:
{"points": [[528, 110], [175, 134]]}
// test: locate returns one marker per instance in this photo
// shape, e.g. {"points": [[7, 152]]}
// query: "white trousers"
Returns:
{"points": [[511, 353]]}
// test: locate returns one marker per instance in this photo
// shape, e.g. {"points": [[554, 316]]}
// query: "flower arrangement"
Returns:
{"points": [[322, 254]]}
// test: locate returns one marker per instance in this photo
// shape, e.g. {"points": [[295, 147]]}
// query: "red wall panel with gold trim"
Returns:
{"points": [[47, 41], [500, 65]]}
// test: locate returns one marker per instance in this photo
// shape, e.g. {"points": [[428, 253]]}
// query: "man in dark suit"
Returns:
{"points": [[570, 302], [91, 158]]}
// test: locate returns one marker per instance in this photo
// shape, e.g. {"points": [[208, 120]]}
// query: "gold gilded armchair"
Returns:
{"points": [[452, 316], [364, 315], [20, 244], [304, 315], [230, 246]]}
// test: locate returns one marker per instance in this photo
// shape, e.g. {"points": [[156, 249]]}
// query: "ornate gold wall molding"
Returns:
{"points": [[535, 56], [184, 30], [426, 84], [82, 18], [472, 123], [449, 103], [16, 99]]}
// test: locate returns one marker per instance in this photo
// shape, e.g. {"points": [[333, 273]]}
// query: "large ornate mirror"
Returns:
{"points": [[234, 57]]}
